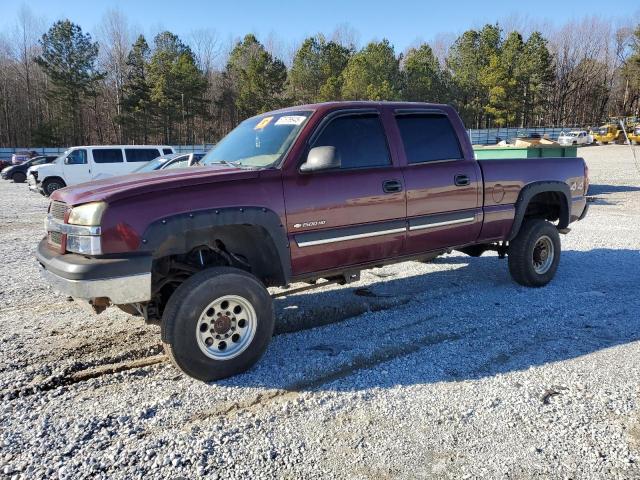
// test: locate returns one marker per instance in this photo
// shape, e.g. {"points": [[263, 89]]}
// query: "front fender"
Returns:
{"points": [[179, 234]]}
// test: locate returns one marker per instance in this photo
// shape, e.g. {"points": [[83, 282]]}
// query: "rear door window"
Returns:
{"points": [[359, 140], [428, 138], [141, 154], [167, 151], [107, 155]]}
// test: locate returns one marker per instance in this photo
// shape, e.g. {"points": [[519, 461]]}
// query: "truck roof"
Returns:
{"points": [[121, 146], [358, 103]]}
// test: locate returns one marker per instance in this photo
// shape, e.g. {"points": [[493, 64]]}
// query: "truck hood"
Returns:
{"points": [[124, 186], [38, 168]]}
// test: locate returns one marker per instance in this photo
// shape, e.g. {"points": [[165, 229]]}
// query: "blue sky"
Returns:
{"points": [[403, 22]]}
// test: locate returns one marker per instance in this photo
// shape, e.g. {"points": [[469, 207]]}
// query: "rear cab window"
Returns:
{"points": [[359, 140], [428, 137], [107, 155]]}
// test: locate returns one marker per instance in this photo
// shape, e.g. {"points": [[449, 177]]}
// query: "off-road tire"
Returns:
{"points": [[521, 253], [50, 185], [18, 177], [181, 319]]}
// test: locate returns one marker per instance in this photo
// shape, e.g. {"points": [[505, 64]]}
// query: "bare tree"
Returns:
{"points": [[208, 49], [115, 37]]}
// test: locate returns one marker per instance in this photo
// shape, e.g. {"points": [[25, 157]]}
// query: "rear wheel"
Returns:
{"points": [[50, 185], [18, 177], [218, 323], [534, 254]]}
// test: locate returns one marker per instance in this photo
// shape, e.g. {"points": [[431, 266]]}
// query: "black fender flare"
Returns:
{"points": [[531, 190], [181, 233]]}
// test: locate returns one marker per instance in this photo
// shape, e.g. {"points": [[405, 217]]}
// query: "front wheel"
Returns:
{"points": [[50, 185], [218, 323], [534, 254]]}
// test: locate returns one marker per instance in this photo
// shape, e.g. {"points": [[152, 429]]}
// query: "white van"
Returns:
{"points": [[83, 164]]}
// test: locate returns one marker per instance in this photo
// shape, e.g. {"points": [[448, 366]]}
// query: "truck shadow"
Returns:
{"points": [[463, 319], [597, 189]]}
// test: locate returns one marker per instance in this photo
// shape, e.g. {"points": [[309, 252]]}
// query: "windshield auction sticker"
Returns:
{"points": [[263, 123], [290, 120]]}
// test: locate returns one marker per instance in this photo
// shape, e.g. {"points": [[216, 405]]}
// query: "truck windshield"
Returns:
{"points": [[259, 141]]}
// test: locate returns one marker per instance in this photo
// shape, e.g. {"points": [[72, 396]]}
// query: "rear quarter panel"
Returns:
{"points": [[504, 180]]}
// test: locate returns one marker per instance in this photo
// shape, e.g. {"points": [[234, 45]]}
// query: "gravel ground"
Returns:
{"points": [[421, 370]]}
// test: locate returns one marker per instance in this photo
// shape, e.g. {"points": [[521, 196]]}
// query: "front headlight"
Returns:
{"points": [[89, 214]]}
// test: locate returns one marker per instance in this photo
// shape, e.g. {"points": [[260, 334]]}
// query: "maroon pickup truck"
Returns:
{"points": [[298, 195]]}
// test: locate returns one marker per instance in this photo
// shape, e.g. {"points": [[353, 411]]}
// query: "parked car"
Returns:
{"points": [[22, 156], [634, 136], [174, 160], [84, 164], [299, 195], [575, 137], [18, 173]]}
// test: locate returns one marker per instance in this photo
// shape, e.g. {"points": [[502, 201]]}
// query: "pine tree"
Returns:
{"points": [[136, 103], [536, 72], [423, 76], [468, 56], [373, 73], [177, 87], [256, 79], [315, 75], [68, 58]]}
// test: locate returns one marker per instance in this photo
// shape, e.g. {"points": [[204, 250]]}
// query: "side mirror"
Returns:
{"points": [[321, 158]]}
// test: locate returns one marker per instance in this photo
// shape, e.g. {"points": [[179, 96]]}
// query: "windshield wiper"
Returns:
{"points": [[232, 163], [239, 164]]}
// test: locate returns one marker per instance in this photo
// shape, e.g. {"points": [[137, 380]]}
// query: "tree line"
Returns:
{"points": [[65, 87]]}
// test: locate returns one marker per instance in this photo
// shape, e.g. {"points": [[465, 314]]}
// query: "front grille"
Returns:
{"points": [[58, 210], [55, 238]]}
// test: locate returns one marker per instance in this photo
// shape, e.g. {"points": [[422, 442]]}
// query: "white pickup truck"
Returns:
{"points": [[575, 137]]}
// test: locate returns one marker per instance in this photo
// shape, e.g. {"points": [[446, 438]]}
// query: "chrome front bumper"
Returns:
{"points": [[125, 279], [119, 290]]}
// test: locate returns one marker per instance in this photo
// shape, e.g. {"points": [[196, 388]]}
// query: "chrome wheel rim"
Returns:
{"points": [[226, 327], [543, 254]]}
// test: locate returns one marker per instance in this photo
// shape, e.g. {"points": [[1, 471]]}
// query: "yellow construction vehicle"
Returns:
{"points": [[608, 133], [634, 136], [614, 130]]}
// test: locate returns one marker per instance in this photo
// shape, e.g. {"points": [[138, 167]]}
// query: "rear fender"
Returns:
{"points": [[531, 190]]}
